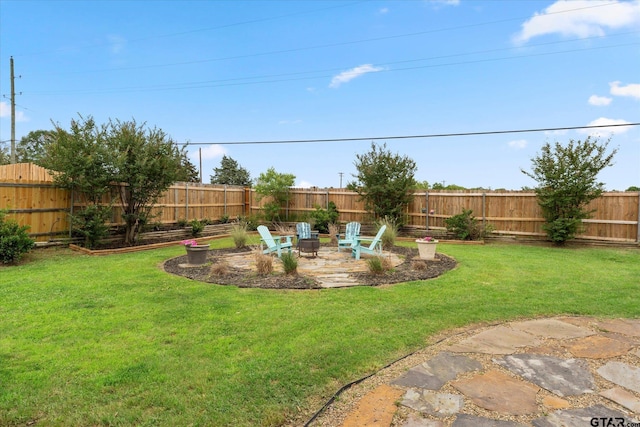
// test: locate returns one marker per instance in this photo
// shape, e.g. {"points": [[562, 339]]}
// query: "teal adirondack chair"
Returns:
{"points": [[350, 234], [375, 248], [273, 243]]}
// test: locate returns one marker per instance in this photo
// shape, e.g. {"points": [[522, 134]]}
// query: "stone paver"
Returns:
{"points": [[530, 351], [621, 374], [435, 372], [578, 417], [564, 377], [331, 268], [432, 403], [466, 420], [498, 340], [376, 409], [623, 398], [499, 392], [630, 327], [599, 347], [552, 328], [416, 421]]}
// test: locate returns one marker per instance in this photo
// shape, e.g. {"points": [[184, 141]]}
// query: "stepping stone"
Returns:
{"points": [[416, 421], [623, 398], [432, 403], [553, 402], [552, 328], [499, 392], [621, 374], [466, 420], [376, 409], [568, 377], [578, 417], [622, 326], [599, 347], [498, 340], [435, 372]]}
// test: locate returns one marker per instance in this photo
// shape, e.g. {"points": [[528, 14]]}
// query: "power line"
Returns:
{"points": [[436, 135]]}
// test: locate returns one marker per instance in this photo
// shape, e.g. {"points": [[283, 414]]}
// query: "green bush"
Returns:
{"points": [[196, 227], [467, 227], [182, 222], [251, 221], [390, 233], [378, 265], [289, 263], [239, 234], [323, 217], [91, 223], [14, 239]]}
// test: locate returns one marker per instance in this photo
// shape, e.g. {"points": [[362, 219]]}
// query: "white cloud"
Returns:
{"points": [[581, 18], [603, 121], [383, 11], [632, 89], [304, 184], [518, 144], [5, 111], [445, 2], [209, 152], [289, 122], [351, 74], [599, 100]]}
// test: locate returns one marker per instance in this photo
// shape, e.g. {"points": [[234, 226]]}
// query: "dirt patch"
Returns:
{"points": [[409, 270]]}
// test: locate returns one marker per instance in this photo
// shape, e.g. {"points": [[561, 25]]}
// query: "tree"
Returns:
{"points": [[147, 162], [384, 181], [633, 188], [84, 165], [5, 156], [32, 147], [566, 177], [189, 171], [276, 186], [230, 173]]}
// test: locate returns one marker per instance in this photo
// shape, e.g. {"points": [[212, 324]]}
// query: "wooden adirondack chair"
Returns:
{"points": [[375, 248], [350, 234], [273, 243]]}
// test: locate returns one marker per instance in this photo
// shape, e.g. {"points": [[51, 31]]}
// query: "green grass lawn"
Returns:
{"points": [[116, 341]]}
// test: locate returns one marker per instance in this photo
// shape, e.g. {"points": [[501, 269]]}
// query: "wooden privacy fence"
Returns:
{"points": [[28, 192]]}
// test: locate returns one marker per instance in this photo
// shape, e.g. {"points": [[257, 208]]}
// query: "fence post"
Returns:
{"points": [[186, 201], [484, 210], [225, 199], [638, 223], [71, 216], [426, 209]]}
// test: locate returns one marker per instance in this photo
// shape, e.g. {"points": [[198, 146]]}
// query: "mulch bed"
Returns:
{"points": [[411, 269]]}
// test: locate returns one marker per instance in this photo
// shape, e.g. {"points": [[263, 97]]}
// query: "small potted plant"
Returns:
{"points": [[427, 247], [196, 254]]}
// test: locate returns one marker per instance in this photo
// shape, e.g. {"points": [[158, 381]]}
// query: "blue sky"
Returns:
{"points": [[243, 71]]}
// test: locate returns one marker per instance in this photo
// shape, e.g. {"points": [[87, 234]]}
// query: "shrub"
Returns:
{"points": [[378, 265], [390, 233], [219, 268], [264, 263], [289, 263], [334, 229], [91, 223], [467, 227], [323, 217], [239, 234], [419, 264], [196, 227], [251, 221], [182, 222], [224, 219], [14, 240]]}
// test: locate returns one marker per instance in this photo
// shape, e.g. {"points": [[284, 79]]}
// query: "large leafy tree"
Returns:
{"points": [[275, 186], [83, 164], [5, 157], [384, 181], [147, 162], [230, 173], [567, 182], [32, 147]]}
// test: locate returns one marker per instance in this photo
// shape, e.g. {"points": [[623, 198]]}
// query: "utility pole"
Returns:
{"points": [[340, 173], [13, 115]]}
